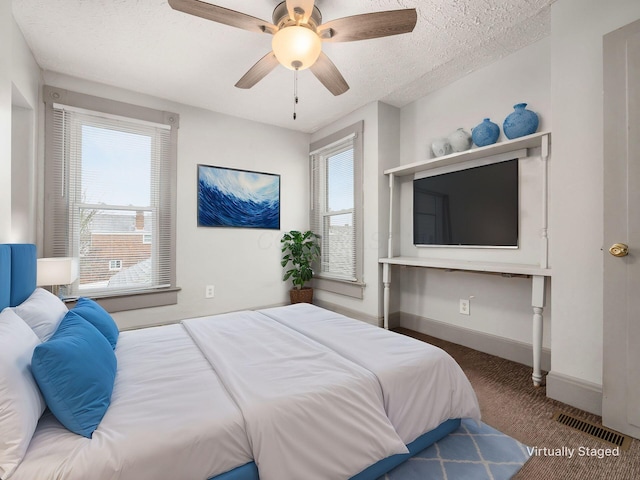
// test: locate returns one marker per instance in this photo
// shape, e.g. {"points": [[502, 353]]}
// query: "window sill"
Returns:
{"points": [[134, 301], [342, 287]]}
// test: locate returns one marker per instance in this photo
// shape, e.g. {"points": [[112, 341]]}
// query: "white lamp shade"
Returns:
{"points": [[56, 271], [296, 46]]}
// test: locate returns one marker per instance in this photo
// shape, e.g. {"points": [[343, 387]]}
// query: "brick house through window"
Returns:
{"points": [[117, 249]]}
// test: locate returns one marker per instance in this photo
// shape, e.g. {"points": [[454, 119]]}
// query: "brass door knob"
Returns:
{"points": [[619, 250]]}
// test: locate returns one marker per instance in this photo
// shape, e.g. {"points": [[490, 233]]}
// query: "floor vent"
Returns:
{"points": [[601, 433]]}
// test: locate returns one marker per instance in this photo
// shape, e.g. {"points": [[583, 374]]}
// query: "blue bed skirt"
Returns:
{"points": [[250, 470]]}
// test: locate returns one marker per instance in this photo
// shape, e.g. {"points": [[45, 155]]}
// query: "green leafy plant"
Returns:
{"points": [[300, 250]]}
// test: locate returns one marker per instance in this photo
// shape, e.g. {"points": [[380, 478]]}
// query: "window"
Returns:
{"points": [[110, 194], [115, 265], [336, 209]]}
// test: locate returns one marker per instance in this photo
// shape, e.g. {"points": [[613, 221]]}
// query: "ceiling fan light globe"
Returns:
{"points": [[296, 46]]}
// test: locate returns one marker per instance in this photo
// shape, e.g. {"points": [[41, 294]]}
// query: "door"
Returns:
{"points": [[621, 361]]}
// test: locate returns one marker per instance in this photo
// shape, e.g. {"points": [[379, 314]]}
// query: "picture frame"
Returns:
{"points": [[230, 197]]}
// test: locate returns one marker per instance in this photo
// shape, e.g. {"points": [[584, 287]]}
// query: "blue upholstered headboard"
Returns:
{"points": [[17, 273]]}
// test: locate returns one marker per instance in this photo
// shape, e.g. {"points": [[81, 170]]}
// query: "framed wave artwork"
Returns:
{"points": [[228, 197]]}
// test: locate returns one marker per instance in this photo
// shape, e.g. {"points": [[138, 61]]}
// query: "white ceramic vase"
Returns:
{"points": [[440, 147], [460, 140]]}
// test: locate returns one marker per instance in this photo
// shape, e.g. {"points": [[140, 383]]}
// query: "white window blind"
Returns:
{"points": [[109, 196], [335, 207]]}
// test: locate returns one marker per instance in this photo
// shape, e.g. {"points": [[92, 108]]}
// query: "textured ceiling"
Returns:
{"points": [[145, 46]]}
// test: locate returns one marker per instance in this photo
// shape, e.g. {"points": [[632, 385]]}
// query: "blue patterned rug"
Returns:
{"points": [[471, 452]]}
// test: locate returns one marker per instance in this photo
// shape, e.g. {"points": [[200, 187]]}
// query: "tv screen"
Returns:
{"points": [[472, 207]]}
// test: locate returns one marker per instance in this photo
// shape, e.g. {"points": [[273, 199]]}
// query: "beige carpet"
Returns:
{"points": [[511, 404]]}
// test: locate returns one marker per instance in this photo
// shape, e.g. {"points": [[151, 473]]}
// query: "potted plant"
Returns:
{"points": [[300, 250]]}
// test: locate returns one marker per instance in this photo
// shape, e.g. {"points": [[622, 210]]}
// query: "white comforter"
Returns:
{"points": [[169, 418], [309, 413], [311, 395], [422, 385]]}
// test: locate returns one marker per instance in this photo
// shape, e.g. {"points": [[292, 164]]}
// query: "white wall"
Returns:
{"points": [[26, 82], [501, 306], [19, 89], [23, 174], [6, 27], [242, 264], [577, 28], [389, 121]]}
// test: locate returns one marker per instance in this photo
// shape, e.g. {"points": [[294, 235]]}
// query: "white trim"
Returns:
{"points": [[507, 348], [320, 145], [376, 321], [573, 391], [342, 287], [320, 151], [164, 124], [120, 118]]}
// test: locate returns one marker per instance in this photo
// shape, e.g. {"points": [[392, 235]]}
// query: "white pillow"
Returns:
{"points": [[21, 403], [43, 312]]}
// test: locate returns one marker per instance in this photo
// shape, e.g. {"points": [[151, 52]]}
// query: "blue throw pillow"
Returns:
{"points": [[75, 370], [93, 313]]}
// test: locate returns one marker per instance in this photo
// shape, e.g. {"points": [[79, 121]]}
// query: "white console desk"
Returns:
{"points": [[538, 273]]}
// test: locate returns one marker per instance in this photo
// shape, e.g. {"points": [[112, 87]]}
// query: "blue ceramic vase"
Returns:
{"points": [[486, 133], [520, 122]]}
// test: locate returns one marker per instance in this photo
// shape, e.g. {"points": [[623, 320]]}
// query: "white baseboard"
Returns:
{"points": [[513, 350], [349, 313], [394, 320], [573, 391]]}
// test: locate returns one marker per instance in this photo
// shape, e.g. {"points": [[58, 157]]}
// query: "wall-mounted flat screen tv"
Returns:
{"points": [[474, 207]]}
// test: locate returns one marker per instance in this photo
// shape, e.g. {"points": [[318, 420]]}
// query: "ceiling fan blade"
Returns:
{"points": [[258, 71], [329, 76], [369, 25], [223, 15], [305, 9]]}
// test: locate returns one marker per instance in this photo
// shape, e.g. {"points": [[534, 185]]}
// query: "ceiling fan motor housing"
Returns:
{"points": [[281, 17]]}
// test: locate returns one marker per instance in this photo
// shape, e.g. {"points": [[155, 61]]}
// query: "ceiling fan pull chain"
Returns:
{"points": [[295, 92]]}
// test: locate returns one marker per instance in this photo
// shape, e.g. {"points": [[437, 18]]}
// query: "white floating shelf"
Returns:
{"points": [[530, 141]]}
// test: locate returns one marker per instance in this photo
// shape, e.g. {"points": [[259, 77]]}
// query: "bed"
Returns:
{"points": [[280, 393]]}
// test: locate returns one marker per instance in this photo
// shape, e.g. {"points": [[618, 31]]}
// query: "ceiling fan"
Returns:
{"points": [[298, 33]]}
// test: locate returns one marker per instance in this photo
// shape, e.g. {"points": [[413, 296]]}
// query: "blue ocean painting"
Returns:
{"points": [[238, 198]]}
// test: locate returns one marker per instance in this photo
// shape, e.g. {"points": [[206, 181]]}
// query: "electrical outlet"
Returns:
{"points": [[464, 306], [209, 291]]}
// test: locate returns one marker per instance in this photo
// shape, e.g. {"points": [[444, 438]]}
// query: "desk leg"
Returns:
{"points": [[538, 301], [537, 346], [386, 281]]}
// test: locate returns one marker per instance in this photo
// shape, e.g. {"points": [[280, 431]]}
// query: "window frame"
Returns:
{"points": [[55, 195], [351, 288]]}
